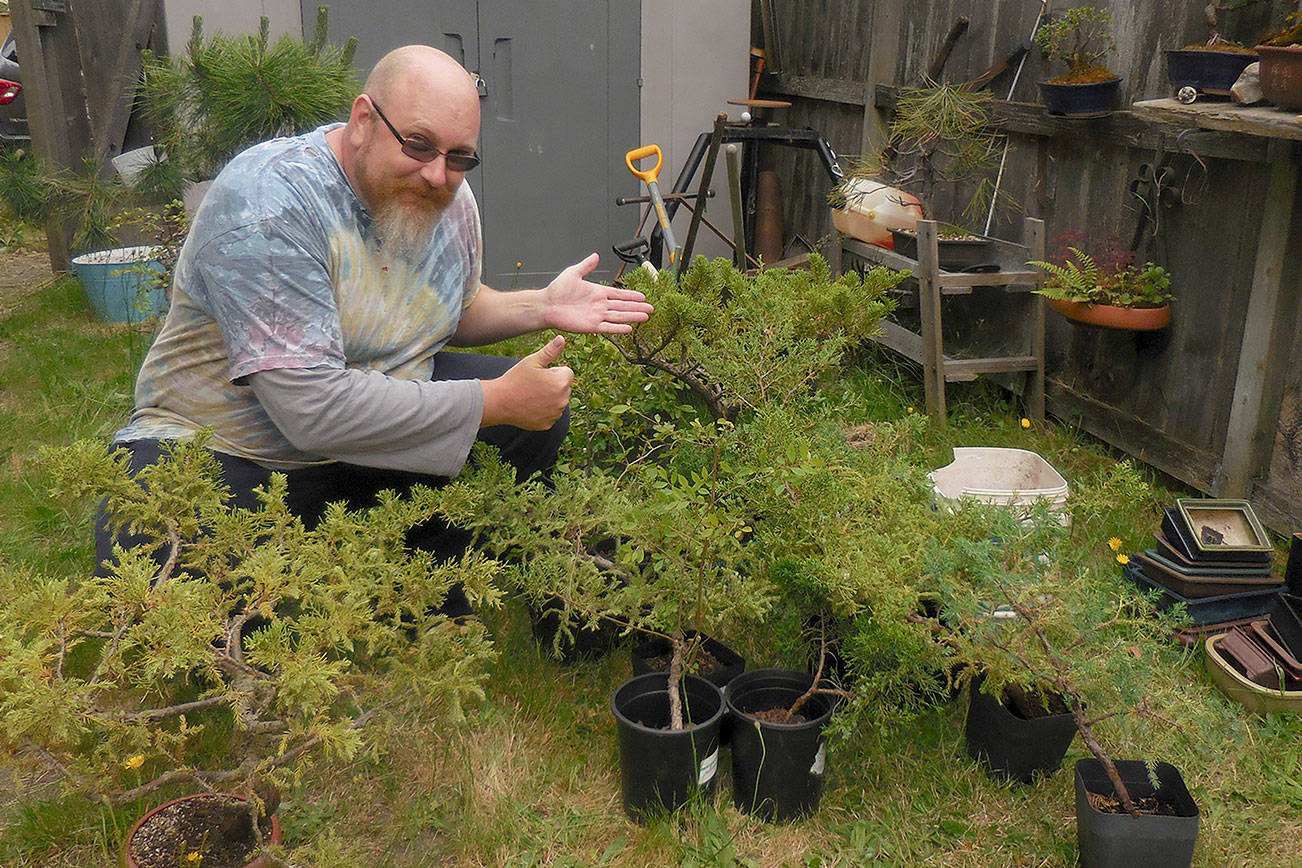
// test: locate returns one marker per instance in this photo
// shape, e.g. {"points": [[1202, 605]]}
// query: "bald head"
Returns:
{"points": [[419, 70]]}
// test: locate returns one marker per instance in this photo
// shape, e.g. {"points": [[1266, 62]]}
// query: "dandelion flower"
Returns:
{"points": [[1123, 559], [194, 856], [134, 762], [1114, 544], [1026, 423], [910, 409]]}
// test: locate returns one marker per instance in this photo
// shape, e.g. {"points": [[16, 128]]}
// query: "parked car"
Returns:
{"points": [[13, 108]]}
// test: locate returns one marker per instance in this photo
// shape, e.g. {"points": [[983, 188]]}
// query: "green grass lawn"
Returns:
{"points": [[532, 779]]}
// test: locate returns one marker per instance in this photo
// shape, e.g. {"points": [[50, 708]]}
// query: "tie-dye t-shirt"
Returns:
{"points": [[281, 270]]}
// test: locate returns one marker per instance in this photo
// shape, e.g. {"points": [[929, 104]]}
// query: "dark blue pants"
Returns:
{"points": [[310, 489]]}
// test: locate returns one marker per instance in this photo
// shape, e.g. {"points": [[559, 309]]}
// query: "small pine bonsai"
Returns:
{"points": [[1079, 38], [225, 93]]}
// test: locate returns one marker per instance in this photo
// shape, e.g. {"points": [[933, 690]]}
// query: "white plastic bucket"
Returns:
{"points": [[1000, 476], [872, 209]]}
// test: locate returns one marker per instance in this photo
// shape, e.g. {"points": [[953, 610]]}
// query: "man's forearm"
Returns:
{"points": [[495, 316]]}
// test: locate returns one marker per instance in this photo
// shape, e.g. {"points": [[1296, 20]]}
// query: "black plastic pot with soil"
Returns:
{"points": [[662, 768], [1019, 735], [711, 659], [1162, 836], [582, 643], [777, 760]]}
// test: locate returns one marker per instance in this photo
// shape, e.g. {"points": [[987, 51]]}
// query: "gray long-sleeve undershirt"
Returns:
{"points": [[364, 417]]}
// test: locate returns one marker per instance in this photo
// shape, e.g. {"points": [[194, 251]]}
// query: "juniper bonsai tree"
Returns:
{"points": [[230, 647], [1023, 605]]}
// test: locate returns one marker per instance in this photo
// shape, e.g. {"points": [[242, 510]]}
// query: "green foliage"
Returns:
{"points": [[21, 186], [1019, 606], [226, 93], [1081, 280], [940, 133], [230, 646], [742, 344], [1080, 38]]}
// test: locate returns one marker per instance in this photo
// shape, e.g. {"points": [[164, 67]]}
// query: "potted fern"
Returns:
{"points": [[1120, 295], [225, 650], [1080, 39]]}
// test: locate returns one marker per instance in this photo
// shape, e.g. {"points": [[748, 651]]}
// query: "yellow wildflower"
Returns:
{"points": [[1114, 544], [1026, 423], [910, 409], [194, 856], [134, 762], [1123, 559]]}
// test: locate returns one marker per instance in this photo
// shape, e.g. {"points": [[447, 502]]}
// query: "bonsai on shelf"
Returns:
{"points": [[1080, 39], [230, 647], [940, 133]]}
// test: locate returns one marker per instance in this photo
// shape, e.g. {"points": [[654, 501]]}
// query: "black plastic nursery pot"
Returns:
{"points": [[653, 656], [1093, 100], [661, 768], [1013, 746], [777, 768], [1151, 840], [582, 643]]}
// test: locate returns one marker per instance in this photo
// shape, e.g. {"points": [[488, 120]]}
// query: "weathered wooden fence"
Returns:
{"points": [[1216, 399]]}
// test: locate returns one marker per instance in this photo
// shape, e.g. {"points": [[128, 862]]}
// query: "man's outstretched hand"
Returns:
{"points": [[531, 395], [574, 304]]}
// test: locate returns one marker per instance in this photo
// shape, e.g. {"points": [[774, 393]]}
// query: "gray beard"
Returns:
{"points": [[404, 233]]}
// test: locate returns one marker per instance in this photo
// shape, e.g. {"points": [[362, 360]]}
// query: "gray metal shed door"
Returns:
{"points": [[560, 109]]}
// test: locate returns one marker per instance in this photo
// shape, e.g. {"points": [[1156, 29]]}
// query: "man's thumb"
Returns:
{"points": [[551, 351]]}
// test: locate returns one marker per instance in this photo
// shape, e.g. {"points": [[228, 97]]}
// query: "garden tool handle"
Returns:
{"points": [[657, 201], [647, 175]]}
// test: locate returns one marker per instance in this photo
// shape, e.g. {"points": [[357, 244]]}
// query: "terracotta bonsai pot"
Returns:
{"points": [[1139, 319], [1281, 75], [129, 861]]}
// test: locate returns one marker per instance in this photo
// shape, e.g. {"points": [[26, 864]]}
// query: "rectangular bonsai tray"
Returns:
{"points": [[1203, 583], [1168, 550], [1180, 537], [1223, 527], [1207, 610]]}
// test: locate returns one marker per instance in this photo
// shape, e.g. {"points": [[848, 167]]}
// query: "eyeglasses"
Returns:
{"points": [[421, 150]]}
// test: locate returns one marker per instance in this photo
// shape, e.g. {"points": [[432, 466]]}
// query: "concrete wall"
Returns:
{"points": [[230, 16]]}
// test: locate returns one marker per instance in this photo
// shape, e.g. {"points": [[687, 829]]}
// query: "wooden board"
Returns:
{"points": [[1229, 116]]}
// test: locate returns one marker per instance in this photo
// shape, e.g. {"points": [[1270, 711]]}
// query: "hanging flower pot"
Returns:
{"points": [[1138, 319], [215, 826], [661, 768]]}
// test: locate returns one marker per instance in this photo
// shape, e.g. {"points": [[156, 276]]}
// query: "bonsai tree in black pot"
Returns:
{"points": [[1023, 607], [1079, 38], [229, 648]]}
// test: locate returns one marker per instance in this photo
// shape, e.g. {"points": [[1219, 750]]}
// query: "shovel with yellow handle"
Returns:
{"points": [[653, 189]]}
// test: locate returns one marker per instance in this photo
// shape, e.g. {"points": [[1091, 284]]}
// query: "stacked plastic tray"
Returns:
{"points": [[1213, 556]]}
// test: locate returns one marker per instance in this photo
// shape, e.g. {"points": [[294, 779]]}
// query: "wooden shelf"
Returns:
{"points": [[1266, 121], [934, 284]]}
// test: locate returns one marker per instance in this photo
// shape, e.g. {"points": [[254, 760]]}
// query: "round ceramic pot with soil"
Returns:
{"points": [[661, 768], [217, 827], [778, 758], [1094, 99], [1018, 735]]}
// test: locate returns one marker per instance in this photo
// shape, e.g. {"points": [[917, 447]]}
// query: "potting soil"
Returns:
{"points": [[1146, 805], [216, 827]]}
